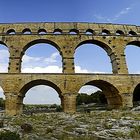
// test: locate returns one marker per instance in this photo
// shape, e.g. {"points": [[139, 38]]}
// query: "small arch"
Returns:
{"points": [[27, 31], [119, 32], [132, 33], [11, 32], [74, 31], [90, 32], [105, 32], [42, 31], [57, 31]]}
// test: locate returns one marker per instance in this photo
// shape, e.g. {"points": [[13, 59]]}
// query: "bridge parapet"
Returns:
{"points": [[66, 28]]}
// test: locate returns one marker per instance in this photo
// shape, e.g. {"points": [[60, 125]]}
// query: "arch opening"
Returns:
{"points": [[132, 33], [26, 31], [57, 31], [94, 57], [41, 94], [136, 96], [11, 32], [105, 32], [90, 32], [119, 32], [4, 58], [132, 52], [41, 58], [2, 100], [99, 94], [73, 32], [42, 32]]}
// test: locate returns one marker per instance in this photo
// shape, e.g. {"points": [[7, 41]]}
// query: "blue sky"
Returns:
{"points": [[120, 11], [98, 11]]}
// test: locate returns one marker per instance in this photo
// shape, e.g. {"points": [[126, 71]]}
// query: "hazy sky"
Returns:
{"points": [[45, 58]]}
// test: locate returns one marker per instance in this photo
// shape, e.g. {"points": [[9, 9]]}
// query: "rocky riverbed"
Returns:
{"points": [[96, 125]]}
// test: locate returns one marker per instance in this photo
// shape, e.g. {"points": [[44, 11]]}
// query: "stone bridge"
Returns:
{"points": [[66, 38]]}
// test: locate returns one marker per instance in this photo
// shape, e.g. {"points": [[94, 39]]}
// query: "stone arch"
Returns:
{"points": [[2, 98], [37, 41], [45, 42], [42, 31], [26, 31], [107, 49], [105, 32], [131, 51], [112, 95], [34, 83], [11, 32], [4, 57], [119, 32], [136, 95]]}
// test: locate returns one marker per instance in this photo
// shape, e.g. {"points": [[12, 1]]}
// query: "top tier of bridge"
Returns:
{"points": [[68, 27]]}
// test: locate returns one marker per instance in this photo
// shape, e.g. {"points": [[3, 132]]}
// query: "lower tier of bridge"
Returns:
{"points": [[118, 88]]}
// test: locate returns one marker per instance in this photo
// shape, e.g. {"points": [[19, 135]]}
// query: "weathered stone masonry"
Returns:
{"points": [[66, 38]]}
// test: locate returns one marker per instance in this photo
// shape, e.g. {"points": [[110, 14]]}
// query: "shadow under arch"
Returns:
{"points": [[31, 84], [37, 41], [136, 95], [107, 49], [136, 43], [111, 93]]}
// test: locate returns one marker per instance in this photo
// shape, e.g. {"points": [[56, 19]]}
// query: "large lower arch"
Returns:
{"points": [[111, 93], [31, 84], [136, 95], [106, 48], [132, 52]]}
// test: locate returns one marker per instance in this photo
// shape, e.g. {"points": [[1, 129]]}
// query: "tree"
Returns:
{"points": [[96, 97]]}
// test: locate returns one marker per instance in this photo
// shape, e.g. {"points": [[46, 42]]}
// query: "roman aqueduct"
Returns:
{"points": [[66, 38]]}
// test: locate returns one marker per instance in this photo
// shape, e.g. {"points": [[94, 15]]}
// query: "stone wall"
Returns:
{"points": [[66, 38]]}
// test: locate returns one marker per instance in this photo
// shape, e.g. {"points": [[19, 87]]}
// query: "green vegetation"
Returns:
{"points": [[97, 97], [135, 133], [27, 128], [2, 103], [8, 135]]}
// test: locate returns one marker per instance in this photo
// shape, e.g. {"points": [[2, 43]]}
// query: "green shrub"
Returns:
{"points": [[1, 123], [8, 135], [26, 127], [59, 108]]}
